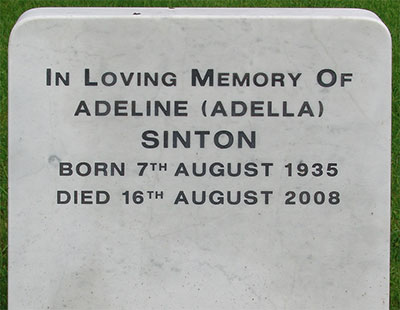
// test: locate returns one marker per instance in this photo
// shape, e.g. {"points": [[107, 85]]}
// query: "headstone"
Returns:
{"points": [[199, 159]]}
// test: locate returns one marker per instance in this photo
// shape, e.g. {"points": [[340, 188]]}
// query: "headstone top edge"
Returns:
{"points": [[47, 13], [196, 12]]}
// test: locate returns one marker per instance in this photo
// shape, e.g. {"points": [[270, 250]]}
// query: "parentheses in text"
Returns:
{"points": [[203, 108], [321, 108]]}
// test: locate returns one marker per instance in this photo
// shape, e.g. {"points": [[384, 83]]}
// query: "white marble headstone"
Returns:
{"points": [[199, 159]]}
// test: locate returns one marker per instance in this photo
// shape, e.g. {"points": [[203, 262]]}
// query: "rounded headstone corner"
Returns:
{"points": [[372, 17], [25, 18]]}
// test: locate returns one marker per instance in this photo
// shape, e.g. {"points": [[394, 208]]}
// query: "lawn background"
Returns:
{"points": [[387, 10]]}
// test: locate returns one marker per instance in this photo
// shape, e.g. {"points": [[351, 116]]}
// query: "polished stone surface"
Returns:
{"points": [[331, 252]]}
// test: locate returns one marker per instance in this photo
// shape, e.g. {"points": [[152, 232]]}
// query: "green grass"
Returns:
{"points": [[388, 11]]}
